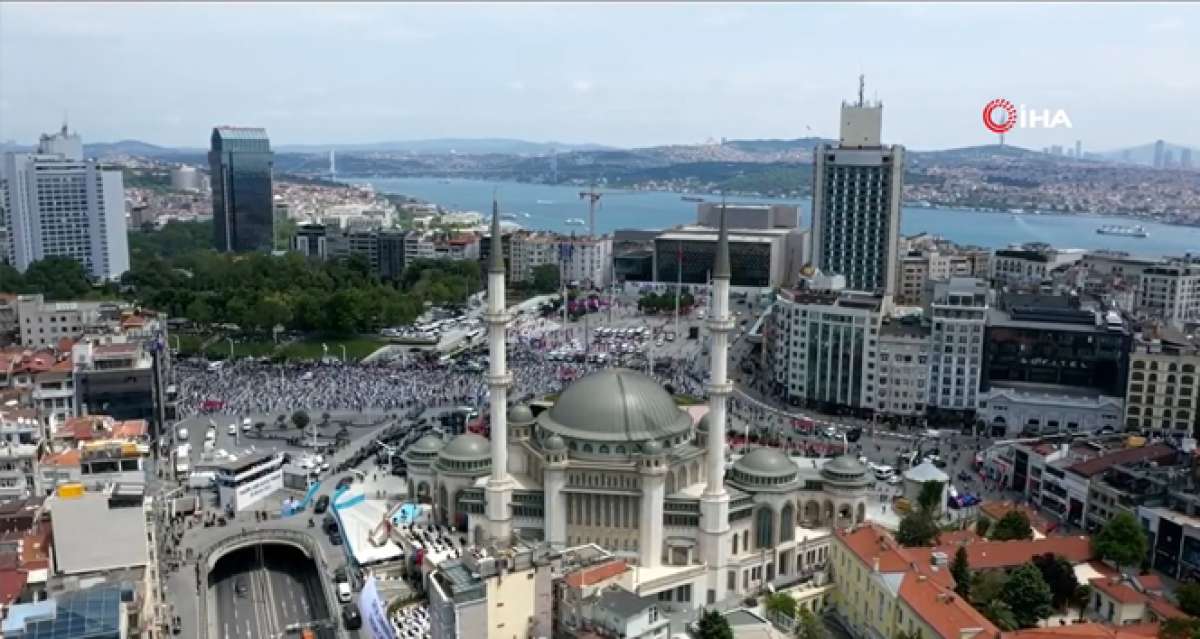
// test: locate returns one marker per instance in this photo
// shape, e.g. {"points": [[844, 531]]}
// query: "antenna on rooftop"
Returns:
{"points": [[861, 88]]}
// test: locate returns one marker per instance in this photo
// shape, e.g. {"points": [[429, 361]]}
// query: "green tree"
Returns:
{"points": [[199, 311], [780, 603], [10, 279], [1028, 594], [1121, 541], [960, 569], [58, 278], [1013, 525], [986, 585], [271, 310], [808, 626], [1001, 614], [917, 528], [930, 497], [1059, 575], [981, 527], [1188, 596], [1081, 598], [1179, 628], [545, 278], [713, 625], [300, 419]]}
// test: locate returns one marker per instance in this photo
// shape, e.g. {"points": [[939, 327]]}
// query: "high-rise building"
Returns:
{"points": [[856, 202], [243, 216], [1078, 148], [1159, 148], [1185, 158], [959, 316], [62, 206]]}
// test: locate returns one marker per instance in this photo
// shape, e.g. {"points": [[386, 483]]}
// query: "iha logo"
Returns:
{"points": [[1000, 116]]}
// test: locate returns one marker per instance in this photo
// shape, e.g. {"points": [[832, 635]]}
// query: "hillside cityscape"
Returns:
{"points": [[826, 387]]}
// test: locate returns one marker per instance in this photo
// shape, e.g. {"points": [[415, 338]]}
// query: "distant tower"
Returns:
{"points": [[332, 165], [1159, 148], [1078, 149], [1001, 139]]}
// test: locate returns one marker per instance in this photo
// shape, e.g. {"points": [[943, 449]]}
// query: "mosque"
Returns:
{"points": [[614, 461]]}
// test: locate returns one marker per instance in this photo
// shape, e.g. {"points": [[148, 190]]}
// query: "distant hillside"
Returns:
{"points": [[777, 146], [136, 147], [1144, 154], [986, 151], [439, 146]]}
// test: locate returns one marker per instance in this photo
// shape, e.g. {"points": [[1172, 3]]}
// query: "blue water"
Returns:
{"points": [[550, 206]]}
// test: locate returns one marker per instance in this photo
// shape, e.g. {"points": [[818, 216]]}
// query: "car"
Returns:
{"points": [[240, 587], [344, 482], [246, 425], [339, 575], [344, 594], [232, 430], [351, 618], [322, 504], [210, 435], [335, 538]]}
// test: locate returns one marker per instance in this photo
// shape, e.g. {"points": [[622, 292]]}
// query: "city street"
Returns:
{"points": [[259, 592]]}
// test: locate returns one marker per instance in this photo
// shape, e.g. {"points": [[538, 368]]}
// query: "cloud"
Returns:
{"points": [[582, 86]]}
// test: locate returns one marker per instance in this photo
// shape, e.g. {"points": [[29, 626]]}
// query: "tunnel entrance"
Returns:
{"points": [[261, 590]]}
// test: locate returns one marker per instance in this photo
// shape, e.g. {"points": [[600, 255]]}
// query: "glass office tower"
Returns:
{"points": [[243, 216]]}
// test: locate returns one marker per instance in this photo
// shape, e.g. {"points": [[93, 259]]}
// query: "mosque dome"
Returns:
{"points": [[520, 414], [844, 468], [427, 444], [652, 448], [467, 447], [616, 405], [766, 462], [554, 443]]}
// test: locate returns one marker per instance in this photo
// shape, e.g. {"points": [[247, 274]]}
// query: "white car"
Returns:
{"points": [[344, 594], [246, 426], [210, 435], [232, 430]]}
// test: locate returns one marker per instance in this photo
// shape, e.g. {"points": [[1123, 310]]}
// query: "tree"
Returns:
{"points": [[986, 585], [545, 278], [199, 311], [808, 626], [960, 569], [1001, 614], [782, 604], [1013, 525], [300, 419], [1059, 575], [917, 528], [1188, 596], [1081, 598], [981, 527], [930, 497], [713, 626], [1121, 540], [1028, 594], [1179, 628], [58, 278]]}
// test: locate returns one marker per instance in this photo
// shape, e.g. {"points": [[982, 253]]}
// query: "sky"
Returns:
{"points": [[623, 74]]}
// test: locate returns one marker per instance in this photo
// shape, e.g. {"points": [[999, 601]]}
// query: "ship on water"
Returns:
{"points": [[576, 221], [1123, 231], [692, 198]]}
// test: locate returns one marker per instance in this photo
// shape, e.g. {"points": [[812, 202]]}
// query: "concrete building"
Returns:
{"points": [[587, 261], [857, 187], [1053, 364], [614, 461], [903, 367], [749, 216], [240, 163], [384, 250], [1031, 264], [626, 614], [1171, 292], [186, 178], [485, 595], [65, 143], [1163, 394], [529, 251], [913, 275], [825, 346], [958, 313], [760, 258], [63, 206]]}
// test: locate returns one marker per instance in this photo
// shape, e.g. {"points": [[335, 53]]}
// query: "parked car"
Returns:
{"points": [[351, 618], [344, 594], [322, 504]]}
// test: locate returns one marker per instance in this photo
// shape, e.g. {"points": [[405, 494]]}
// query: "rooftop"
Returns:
{"points": [[91, 534], [1153, 452]]}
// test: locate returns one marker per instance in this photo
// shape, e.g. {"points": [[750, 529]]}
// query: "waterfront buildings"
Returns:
{"points": [[857, 186], [60, 205], [240, 163]]}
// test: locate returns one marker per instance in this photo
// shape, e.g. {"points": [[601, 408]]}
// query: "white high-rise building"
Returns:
{"points": [[588, 260], [856, 202], [959, 313], [61, 205]]}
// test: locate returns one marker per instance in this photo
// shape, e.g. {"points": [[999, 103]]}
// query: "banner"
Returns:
{"points": [[376, 624]]}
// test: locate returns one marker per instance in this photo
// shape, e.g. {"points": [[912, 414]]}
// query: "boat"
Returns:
{"points": [[1125, 231], [545, 202], [576, 221], [692, 198], [508, 216]]}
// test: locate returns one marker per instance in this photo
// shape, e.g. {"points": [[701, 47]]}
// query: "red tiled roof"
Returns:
{"points": [[984, 555], [996, 510], [12, 582], [596, 574], [1154, 452], [1149, 582], [130, 429], [1165, 609], [65, 458], [1088, 631], [1119, 591], [83, 428]]}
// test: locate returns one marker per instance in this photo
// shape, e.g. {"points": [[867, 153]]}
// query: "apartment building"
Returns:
{"points": [[45, 323], [20, 435], [958, 314], [1163, 396], [588, 261], [903, 367], [529, 251], [1031, 264], [1171, 292]]}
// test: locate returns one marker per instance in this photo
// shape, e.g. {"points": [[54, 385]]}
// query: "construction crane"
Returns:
{"points": [[593, 197]]}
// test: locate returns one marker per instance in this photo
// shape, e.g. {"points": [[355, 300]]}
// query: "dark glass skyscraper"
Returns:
{"points": [[243, 212]]}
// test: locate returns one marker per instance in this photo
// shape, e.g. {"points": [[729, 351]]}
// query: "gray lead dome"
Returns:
{"points": [[467, 447], [615, 405], [766, 462]]}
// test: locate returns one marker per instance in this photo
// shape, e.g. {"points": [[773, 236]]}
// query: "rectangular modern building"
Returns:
{"points": [[857, 187], [240, 161], [64, 206]]}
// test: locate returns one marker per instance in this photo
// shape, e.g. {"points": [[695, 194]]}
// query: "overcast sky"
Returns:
{"points": [[620, 74]]}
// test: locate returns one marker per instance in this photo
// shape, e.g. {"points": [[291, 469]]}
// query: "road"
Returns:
{"points": [[279, 588]]}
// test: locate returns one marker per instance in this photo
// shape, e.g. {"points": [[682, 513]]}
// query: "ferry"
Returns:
{"points": [[545, 202], [692, 198], [508, 216], [576, 221], [1124, 231]]}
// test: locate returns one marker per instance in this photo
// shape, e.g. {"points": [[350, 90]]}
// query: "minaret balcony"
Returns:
{"points": [[724, 388], [501, 318], [504, 379], [721, 324]]}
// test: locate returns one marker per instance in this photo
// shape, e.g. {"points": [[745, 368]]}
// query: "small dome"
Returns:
{"points": [[467, 447], [427, 444], [652, 448], [554, 443], [766, 462], [520, 414], [844, 467], [702, 425]]}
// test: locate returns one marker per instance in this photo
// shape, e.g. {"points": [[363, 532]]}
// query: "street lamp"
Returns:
{"points": [[230, 340]]}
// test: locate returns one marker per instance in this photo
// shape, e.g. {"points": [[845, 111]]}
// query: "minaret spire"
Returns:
{"points": [[498, 511], [714, 503]]}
